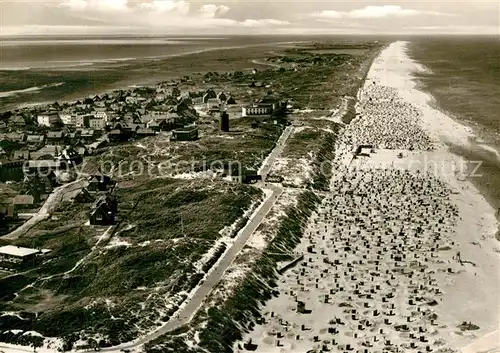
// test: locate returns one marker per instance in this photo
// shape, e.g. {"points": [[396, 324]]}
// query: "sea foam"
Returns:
{"points": [[29, 90]]}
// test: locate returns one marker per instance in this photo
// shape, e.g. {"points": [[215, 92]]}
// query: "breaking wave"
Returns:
{"points": [[30, 90]]}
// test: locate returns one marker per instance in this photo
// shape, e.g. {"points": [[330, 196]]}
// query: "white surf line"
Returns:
{"points": [[490, 149], [33, 89], [478, 220]]}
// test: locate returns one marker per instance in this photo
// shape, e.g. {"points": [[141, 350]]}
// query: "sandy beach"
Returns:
{"points": [[401, 255]]}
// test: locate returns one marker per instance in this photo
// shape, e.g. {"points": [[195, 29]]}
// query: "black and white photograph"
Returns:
{"points": [[231, 176]]}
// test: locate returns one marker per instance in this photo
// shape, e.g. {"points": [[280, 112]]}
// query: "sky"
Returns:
{"points": [[230, 17]]}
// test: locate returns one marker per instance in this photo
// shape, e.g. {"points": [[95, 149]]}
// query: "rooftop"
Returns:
{"points": [[186, 129], [23, 200], [44, 164], [17, 251], [260, 105]]}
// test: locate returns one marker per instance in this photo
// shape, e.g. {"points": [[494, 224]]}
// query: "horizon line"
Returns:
{"points": [[205, 35]]}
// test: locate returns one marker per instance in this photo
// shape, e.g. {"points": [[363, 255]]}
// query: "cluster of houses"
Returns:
{"points": [[53, 138], [120, 115]]}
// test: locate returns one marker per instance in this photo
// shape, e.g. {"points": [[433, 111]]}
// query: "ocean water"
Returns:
{"points": [[63, 53], [46, 69], [463, 75], [49, 69]]}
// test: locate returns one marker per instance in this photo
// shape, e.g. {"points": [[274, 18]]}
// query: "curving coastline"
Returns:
{"points": [[428, 225]]}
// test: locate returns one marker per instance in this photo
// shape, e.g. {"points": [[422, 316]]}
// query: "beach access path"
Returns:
{"points": [[278, 149]]}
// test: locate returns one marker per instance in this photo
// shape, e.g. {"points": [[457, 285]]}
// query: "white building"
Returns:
{"points": [[101, 114], [257, 110], [68, 119], [48, 119], [97, 123]]}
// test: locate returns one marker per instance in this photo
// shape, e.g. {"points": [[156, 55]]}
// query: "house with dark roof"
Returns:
{"points": [[99, 183], [35, 139], [104, 211], [55, 137], [33, 167], [221, 96], [185, 134], [134, 126], [17, 121]]}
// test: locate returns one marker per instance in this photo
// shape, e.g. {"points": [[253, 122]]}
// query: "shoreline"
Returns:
{"points": [[470, 145], [127, 84], [478, 222], [422, 221]]}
